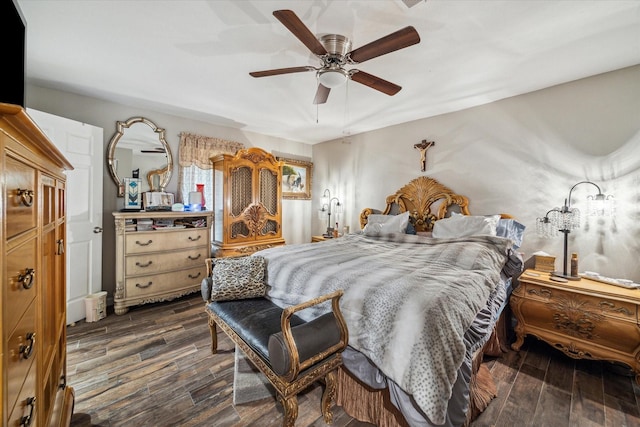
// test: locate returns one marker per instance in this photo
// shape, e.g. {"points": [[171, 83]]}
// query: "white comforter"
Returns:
{"points": [[408, 300]]}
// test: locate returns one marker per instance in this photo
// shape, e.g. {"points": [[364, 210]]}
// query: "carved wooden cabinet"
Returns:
{"points": [[160, 255], [583, 319], [247, 192], [33, 378]]}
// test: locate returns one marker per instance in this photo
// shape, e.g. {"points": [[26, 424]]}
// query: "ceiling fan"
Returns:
{"points": [[334, 52]]}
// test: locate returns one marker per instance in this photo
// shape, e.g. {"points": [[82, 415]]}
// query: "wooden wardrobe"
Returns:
{"points": [[33, 378], [247, 193]]}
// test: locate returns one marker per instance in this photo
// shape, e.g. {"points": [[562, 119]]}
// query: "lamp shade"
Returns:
{"points": [[600, 205], [332, 77]]}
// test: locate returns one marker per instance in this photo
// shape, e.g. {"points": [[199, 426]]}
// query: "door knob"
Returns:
{"points": [[97, 230]]}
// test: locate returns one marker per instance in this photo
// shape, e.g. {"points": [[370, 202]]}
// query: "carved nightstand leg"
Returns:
{"points": [[519, 341]]}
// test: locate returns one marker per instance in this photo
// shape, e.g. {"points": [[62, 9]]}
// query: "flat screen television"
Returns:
{"points": [[13, 30]]}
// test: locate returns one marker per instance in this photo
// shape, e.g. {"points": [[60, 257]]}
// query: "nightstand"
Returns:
{"points": [[584, 319]]}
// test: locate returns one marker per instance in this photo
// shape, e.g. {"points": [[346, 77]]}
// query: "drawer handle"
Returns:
{"points": [[195, 258], [26, 421], [60, 243], [144, 244], [27, 278], [26, 196], [194, 240], [27, 350], [144, 265], [543, 292], [191, 276], [606, 305], [138, 285]]}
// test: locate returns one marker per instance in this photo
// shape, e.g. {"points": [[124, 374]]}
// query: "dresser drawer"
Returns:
{"points": [[18, 346], [596, 304], [155, 241], [20, 404], [147, 263], [156, 284], [574, 323], [20, 285], [21, 198]]}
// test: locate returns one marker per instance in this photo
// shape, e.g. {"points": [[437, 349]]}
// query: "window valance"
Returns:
{"points": [[195, 150]]}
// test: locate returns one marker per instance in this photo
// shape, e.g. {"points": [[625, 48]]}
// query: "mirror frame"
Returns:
{"points": [[120, 128]]}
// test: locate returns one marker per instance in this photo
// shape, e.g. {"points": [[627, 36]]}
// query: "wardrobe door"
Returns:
{"points": [[268, 186]]}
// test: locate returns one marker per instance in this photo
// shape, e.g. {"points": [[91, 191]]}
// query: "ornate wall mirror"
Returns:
{"points": [[138, 149]]}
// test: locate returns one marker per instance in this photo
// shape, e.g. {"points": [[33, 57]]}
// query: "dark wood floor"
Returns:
{"points": [[153, 367]]}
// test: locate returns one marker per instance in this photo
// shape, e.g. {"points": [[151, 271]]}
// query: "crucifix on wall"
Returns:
{"points": [[423, 147]]}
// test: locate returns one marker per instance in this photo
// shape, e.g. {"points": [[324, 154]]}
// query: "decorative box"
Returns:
{"points": [[544, 263]]}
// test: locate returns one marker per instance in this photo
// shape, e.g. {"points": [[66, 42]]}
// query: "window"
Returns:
{"points": [[195, 168]]}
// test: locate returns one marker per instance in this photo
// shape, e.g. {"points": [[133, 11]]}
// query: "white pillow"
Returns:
{"points": [[465, 225], [385, 224]]}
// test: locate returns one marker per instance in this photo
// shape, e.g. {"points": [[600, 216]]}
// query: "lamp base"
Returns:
{"points": [[565, 276]]}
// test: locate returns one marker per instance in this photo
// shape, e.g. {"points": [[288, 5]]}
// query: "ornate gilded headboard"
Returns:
{"points": [[426, 200]]}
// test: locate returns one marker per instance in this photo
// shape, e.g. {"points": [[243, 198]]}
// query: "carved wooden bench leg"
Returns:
{"points": [[214, 336], [328, 396], [290, 405]]}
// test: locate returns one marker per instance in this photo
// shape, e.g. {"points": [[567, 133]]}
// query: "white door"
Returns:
{"points": [[82, 145]]}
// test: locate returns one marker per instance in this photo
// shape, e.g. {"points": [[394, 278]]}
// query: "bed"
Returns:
{"points": [[424, 284]]}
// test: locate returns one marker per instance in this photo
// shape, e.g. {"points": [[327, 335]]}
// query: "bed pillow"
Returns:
{"points": [[410, 228], [385, 224], [465, 225], [238, 278], [511, 229]]}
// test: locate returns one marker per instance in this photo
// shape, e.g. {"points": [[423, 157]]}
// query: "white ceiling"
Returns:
{"points": [[193, 58]]}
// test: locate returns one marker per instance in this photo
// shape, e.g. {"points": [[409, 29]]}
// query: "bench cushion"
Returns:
{"points": [[311, 339], [254, 320]]}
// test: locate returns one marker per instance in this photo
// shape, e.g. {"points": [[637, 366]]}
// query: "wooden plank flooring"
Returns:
{"points": [[153, 367]]}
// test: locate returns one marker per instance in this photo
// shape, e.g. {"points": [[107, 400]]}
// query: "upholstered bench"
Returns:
{"points": [[292, 353]]}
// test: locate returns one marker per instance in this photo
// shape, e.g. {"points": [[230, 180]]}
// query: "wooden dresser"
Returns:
{"points": [[33, 378], [163, 263], [247, 193], [584, 318]]}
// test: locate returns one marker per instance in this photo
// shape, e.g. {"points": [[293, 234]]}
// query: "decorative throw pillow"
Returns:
{"points": [[238, 278], [384, 224], [465, 225], [511, 229]]}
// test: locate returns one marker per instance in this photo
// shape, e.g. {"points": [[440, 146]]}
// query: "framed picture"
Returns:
{"points": [[296, 179], [132, 196]]}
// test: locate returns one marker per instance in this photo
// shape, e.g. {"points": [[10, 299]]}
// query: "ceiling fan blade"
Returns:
{"points": [[375, 82], [290, 20], [278, 71], [395, 41], [321, 94]]}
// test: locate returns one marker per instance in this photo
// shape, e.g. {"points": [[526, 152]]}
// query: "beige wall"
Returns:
{"points": [[296, 213], [521, 156]]}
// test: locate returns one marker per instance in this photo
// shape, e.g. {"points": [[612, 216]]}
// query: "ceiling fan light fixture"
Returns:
{"points": [[332, 77]]}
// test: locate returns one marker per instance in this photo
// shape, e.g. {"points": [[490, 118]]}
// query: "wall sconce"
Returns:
{"points": [[566, 218], [326, 210]]}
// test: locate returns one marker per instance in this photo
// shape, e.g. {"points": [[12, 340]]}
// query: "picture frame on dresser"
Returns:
{"points": [[296, 178], [132, 195]]}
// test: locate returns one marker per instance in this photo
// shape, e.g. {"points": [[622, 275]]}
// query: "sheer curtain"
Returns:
{"points": [[194, 166]]}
